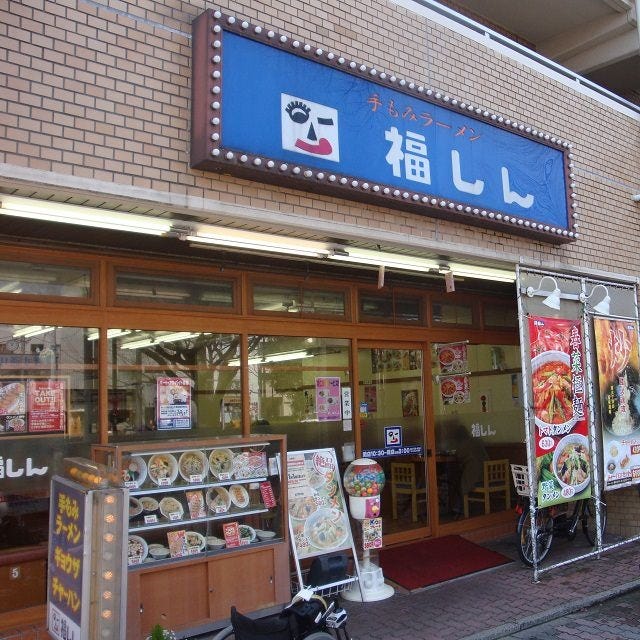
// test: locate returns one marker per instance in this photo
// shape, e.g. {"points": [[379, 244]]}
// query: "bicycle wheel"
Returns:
{"points": [[589, 520], [319, 635], [544, 536]]}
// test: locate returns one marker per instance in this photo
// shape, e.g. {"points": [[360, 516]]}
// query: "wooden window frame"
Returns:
{"points": [[116, 268], [45, 258]]}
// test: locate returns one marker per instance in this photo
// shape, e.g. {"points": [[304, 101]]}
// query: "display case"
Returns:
{"points": [[207, 529]]}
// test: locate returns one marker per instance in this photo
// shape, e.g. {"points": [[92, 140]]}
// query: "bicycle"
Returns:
{"points": [[308, 616], [553, 520]]}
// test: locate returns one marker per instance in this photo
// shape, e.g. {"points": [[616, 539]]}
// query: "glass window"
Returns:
{"points": [[500, 316], [173, 384], [37, 279], [155, 288], [295, 387], [451, 313], [299, 300], [408, 310], [48, 411], [478, 417], [376, 307]]}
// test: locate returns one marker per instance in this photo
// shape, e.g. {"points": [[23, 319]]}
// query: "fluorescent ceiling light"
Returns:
{"points": [[73, 214], [169, 294], [263, 242], [423, 265], [111, 333], [482, 273], [275, 357], [32, 330], [11, 287], [169, 337], [378, 258]]}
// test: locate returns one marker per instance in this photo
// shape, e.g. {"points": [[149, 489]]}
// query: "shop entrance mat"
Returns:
{"points": [[429, 562]]}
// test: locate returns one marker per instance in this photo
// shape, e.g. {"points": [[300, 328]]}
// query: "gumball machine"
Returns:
{"points": [[363, 481]]}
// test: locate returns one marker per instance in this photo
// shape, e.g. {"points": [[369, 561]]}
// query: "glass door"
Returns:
{"points": [[392, 432]]}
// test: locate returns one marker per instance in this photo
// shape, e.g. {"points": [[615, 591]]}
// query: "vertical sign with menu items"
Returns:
{"points": [[619, 388], [317, 511], [68, 569], [563, 459]]}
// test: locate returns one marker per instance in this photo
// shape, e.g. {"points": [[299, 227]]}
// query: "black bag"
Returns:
{"points": [[270, 628], [327, 569]]}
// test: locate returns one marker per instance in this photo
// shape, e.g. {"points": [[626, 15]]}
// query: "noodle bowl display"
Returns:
{"points": [[572, 462], [552, 391]]}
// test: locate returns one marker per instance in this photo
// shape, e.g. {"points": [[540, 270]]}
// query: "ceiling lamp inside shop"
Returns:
{"points": [[242, 240]]}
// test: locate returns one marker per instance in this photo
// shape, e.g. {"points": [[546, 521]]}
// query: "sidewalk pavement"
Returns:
{"points": [[501, 601]]}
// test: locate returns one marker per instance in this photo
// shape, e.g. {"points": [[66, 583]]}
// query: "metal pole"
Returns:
{"points": [[524, 356]]}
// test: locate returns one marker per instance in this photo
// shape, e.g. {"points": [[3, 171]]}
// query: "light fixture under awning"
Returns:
{"points": [[262, 242], [204, 235], [49, 211]]}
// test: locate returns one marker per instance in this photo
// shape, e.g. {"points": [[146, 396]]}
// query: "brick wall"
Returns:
{"points": [[101, 90]]}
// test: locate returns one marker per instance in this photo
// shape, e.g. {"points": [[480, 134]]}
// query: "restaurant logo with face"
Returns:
{"points": [[309, 128]]}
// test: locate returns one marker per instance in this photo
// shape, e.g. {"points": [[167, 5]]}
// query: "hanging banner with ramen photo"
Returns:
{"points": [[454, 389], [563, 460], [452, 357], [619, 386]]}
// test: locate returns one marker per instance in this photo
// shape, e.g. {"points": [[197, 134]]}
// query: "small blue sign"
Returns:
{"points": [[393, 437], [299, 116]]}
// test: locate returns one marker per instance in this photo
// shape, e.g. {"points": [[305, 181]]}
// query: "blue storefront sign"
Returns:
{"points": [[280, 111]]}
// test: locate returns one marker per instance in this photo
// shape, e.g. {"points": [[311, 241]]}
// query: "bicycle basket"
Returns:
{"points": [[520, 473], [270, 628]]}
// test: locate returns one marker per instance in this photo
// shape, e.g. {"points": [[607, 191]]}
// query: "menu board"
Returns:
{"points": [[46, 405], [328, 399], [563, 459], [174, 403], [33, 405], [67, 567], [318, 518], [616, 343]]}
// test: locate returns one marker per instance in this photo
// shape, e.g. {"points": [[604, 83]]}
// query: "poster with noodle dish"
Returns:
{"points": [[318, 518], [563, 458], [616, 343]]}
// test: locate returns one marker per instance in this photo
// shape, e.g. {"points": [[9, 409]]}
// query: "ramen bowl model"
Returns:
{"points": [[265, 536], [572, 464], [158, 551], [215, 543], [163, 468], [193, 466]]}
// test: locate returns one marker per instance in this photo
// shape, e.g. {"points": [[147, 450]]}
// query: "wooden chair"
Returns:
{"points": [[497, 479], [403, 482]]}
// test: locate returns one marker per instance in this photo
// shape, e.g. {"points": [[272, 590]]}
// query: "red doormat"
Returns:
{"points": [[428, 562]]}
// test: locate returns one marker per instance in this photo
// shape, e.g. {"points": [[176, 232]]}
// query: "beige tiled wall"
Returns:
{"points": [[101, 90]]}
